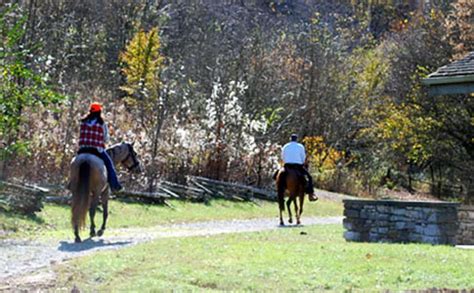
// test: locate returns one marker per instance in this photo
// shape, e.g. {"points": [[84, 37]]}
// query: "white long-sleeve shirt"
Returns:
{"points": [[293, 153]]}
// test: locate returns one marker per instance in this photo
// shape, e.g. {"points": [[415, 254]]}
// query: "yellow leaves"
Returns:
{"points": [[143, 62], [316, 18], [191, 83], [395, 126], [321, 155], [403, 129], [372, 76]]}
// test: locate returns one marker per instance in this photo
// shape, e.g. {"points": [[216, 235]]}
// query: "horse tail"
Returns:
{"points": [[281, 200], [81, 196]]}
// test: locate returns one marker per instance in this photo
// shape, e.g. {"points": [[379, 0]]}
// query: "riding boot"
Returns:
{"points": [[111, 174], [309, 181], [309, 186]]}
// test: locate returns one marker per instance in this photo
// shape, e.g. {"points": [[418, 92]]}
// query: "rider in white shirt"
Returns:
{"points": [[293, 156], [293, 152]]}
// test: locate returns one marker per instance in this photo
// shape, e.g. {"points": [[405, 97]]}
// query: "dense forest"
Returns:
{"points": [[215, 88]]}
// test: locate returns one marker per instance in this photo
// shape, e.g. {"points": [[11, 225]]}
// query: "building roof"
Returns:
{"points": [[454, 78]]}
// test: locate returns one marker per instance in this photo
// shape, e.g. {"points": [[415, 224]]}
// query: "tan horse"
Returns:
{"points": [[88, 184], [291, 181]]}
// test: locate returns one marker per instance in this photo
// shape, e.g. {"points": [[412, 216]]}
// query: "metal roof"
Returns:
{"points": [[454, 78]]}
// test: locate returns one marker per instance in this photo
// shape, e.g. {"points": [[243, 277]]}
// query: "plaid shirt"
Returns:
{"points": [[92, 135]]}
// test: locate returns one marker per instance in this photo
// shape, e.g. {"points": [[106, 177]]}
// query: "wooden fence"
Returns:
{"points": [[28, 199], [200, 189], [22, 199]]}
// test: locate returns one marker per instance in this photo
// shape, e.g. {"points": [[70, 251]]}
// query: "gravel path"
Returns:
{"points": [[19, 257], [333, 196]]}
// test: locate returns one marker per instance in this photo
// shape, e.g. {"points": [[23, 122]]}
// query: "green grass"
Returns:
{"points": [[280, 260], [54, 220]]}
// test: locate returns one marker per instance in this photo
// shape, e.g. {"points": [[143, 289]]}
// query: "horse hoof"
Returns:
{"points": [[100, 233], [290, 221], [77, 240], [282, 224], [93, 234], [298, 223]]}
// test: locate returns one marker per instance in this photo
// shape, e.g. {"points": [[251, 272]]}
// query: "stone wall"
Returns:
{"points": [[465, 233], [400, 221]]}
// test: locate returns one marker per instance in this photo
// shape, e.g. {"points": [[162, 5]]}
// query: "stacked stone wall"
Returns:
{"points": [[401, 222], [465, 235]]}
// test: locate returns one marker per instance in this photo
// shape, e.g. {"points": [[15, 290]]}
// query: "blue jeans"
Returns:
{"points": [[111, 174]]}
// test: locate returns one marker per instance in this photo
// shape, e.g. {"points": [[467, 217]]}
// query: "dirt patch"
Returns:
{"points": [[333, 196], [37, 281], [410, 196]]}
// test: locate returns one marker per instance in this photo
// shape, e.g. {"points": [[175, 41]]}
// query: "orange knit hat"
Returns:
{"points": [[95, 107]]}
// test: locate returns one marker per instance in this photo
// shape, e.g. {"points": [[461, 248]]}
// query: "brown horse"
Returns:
{"points": [[291, 181], [88, 184]]}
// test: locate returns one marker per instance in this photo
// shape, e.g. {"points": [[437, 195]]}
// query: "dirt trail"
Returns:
{"points": [[19, 257]]}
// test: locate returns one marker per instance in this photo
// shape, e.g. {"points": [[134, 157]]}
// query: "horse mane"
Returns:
{"points": [[112, 149], [117, 145]]}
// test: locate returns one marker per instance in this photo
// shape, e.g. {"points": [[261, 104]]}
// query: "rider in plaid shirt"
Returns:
{"points": [[94, 134]]}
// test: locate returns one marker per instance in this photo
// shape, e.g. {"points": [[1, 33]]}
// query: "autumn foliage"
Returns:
{"points": [[216, 89]]}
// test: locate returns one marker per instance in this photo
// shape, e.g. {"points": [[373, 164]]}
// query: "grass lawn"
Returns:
{"points": [[54, 220], [279, 260]]}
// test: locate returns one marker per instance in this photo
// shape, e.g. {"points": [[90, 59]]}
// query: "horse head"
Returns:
{"points": [[131, 161], [125, 154]]}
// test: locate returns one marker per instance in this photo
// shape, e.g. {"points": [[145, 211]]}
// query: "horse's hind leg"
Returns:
{"points": [[281, 218], [92, 211], [105, 207], [300, 212], [76, 234], [295, 204], [288, 205], [281, 208]]}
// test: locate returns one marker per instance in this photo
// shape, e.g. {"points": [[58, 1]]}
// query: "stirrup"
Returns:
{"points": [[313, 197], [116, 189]]}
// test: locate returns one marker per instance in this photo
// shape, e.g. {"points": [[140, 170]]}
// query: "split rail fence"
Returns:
{"points": [[28, 199]]}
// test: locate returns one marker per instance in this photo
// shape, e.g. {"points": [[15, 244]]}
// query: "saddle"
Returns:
{"points": [[89, 150], [284, 171], [296, 170]]}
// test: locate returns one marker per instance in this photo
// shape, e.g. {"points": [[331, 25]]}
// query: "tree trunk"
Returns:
{"points": [[154, 172]]}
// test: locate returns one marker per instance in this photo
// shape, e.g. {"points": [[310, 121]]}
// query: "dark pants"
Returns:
{"points": [[111, 174], [305, 173]]}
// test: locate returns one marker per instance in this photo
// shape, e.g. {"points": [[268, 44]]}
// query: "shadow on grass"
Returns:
{"points": [[88, 244], [143, 202], [291, 226]]}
